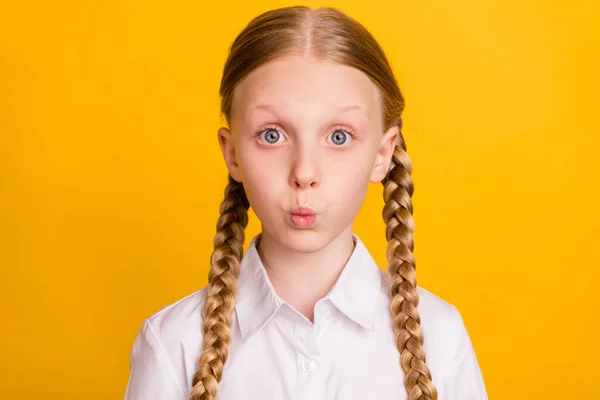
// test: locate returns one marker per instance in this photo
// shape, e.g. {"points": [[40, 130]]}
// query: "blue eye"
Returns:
{"points": [[270, 135], [340, 136]]}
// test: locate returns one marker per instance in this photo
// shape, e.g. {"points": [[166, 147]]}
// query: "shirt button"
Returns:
{"points": [[308, 366]]}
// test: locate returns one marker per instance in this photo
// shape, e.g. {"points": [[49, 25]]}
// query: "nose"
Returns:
{"points": [[305, 169]]}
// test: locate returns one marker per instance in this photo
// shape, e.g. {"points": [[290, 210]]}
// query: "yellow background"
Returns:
{"points": [[111, 178]]}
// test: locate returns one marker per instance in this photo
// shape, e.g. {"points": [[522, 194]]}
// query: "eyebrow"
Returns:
{"points": [[272, 109]]}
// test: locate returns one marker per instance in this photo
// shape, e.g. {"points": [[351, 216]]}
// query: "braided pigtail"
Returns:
{"points": [[221, 291], [397, 214]]}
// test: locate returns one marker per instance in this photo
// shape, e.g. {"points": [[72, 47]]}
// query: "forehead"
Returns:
{"points": [[308, 87]]}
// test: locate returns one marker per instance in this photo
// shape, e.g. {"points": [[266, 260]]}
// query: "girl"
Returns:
{"points": [[314, 112]]}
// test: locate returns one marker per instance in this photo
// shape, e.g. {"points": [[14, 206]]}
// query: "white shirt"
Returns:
{"points": [[349, 353]]}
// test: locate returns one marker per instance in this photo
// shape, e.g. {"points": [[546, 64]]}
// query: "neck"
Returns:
{"points": [[302, 278]]}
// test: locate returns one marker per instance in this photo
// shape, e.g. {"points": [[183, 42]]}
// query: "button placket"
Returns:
{"points": [[308, 351], [322, 312], [308, 366]]}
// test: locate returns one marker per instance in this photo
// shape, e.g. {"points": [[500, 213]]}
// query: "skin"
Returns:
{"points": [[308, 166]]}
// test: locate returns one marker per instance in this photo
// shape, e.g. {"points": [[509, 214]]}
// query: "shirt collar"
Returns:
{"points": [[355, 293]]}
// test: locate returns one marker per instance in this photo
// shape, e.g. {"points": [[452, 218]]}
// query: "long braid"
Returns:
{"points": [[397, 214], [221, 291]]}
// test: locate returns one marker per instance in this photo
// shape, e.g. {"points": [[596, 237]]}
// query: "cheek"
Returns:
{"points": [[347, 181], [263, 180], [349, 188], [254, 166], [349, 170]]}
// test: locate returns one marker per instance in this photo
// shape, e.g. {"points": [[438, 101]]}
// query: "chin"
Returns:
{"points": [[305, 240]]}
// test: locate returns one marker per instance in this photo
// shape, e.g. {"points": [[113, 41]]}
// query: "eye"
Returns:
{"points": [[341, 136], [269, 135]]}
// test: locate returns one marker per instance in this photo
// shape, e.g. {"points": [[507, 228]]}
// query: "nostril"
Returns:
{"points": [[305, 184]]}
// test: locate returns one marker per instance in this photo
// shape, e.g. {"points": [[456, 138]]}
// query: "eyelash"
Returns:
{"points": [[339, 128]]}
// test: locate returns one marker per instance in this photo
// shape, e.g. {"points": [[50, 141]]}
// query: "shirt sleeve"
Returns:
{"points": [[462, 378], [151, 373]]}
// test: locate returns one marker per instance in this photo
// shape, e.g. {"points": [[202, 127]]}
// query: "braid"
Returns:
{"points": [[221, 291], [397, 214]]}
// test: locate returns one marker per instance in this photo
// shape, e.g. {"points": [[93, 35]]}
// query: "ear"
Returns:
{"points": [[228, 150], [385, 152]]}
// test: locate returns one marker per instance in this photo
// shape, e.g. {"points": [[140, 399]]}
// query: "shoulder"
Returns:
{"points": [[165, 349], [443, 327], [183, 313], [435, 313], [179, 323], [441, 322], [435, 309], [438, 316], [448, 345]]}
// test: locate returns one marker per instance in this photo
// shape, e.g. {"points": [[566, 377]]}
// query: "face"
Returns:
{"points": [[306, 134]]}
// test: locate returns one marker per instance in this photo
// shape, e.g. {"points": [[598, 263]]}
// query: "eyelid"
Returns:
{"points": [[342, 128], [268, 128], [346, 130]]}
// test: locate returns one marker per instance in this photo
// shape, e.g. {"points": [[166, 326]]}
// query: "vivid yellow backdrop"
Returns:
{"points": [[111, 178]]}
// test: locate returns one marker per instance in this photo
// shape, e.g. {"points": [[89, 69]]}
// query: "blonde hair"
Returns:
{"points": [[326, 34]]}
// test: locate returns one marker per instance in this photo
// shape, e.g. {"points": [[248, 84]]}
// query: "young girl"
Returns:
{"points": [[314, 112]]}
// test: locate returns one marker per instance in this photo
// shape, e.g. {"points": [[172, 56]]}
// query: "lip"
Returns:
{"points": [[303, 217], [303, 211]]}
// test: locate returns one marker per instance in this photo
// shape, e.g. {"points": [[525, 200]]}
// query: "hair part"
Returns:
{"points": [[325, 34]]}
